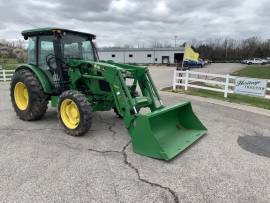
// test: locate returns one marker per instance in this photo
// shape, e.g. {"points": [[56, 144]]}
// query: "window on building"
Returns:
{"points": [[149, 55], [130, 55], [113, 55], [155, 59]]}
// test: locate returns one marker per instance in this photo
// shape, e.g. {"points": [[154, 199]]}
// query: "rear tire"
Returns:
{"points": [[74, 113], [27, 96]]}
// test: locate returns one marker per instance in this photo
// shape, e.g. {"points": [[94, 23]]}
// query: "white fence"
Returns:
{"points": [[6, 75], [206, 81]]}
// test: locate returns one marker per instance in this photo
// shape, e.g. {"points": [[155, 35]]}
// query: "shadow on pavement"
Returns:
{"points": [[257, 144]]}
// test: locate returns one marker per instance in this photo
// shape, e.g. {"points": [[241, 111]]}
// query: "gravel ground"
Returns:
{"points": [[40, 163]]}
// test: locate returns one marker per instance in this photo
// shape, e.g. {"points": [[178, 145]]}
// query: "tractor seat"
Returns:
{"points": [[142, 101]]}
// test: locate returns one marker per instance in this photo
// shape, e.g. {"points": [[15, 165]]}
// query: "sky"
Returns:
{"points": [[140, 22]]}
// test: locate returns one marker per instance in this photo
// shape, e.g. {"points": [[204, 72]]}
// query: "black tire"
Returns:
{"points": [[85, 112], [117, 113], [38, 100], [249, 63]]}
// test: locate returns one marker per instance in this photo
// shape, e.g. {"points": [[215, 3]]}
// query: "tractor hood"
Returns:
{"points": [[100, 64]]}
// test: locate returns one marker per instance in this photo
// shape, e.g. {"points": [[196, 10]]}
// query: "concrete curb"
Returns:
{"points": [[242, 107]]}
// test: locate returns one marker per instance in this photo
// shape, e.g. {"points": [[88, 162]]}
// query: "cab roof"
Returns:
{"points": [[51, 31]]}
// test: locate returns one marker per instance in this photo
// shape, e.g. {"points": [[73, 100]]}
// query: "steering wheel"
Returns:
{"points": [[51, 58]]}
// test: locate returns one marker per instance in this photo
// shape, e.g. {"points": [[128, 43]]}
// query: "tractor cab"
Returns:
{"points": [[51, 48]]}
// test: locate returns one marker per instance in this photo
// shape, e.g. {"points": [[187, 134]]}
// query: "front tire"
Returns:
{"points": [[28, 99], [74, 113]]}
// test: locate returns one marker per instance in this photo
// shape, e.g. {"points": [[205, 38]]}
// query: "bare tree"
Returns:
{"points": [[233, 49]]}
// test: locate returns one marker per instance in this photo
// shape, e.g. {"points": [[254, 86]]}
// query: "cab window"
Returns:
{"points": [[77, 47], [87, 50], [31, 54], [46, 48]]}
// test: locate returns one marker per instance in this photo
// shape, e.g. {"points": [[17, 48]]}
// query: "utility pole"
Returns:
{"points": [[175, 38]]}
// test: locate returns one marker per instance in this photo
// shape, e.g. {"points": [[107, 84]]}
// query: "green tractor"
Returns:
{"points": [[63, 68]]}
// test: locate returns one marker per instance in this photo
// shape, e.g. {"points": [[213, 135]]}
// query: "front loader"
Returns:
{"points": [[63, 68]]}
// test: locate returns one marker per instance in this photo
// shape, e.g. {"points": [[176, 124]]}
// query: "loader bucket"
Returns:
{"points": [[166, 132]]}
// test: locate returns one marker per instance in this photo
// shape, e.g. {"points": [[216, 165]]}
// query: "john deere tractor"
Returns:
{"points": [[63, 68]]}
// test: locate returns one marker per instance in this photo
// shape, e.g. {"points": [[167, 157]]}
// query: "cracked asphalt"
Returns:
{"points": [[40, 163]]}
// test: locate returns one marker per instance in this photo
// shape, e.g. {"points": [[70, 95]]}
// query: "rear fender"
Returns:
{"points": [[42, 77]]}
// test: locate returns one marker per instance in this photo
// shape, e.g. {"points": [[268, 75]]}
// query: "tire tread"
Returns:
{"points": [[85, 112], [38, 100]]}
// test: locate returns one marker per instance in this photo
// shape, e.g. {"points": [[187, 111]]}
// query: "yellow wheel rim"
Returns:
{"points": [[21, 96], [70, 114]]}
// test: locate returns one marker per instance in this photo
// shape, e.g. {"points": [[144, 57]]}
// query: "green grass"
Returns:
{"points": [[9, 63], [10, 66], [262, 72], [8, 60], [235, 98]]}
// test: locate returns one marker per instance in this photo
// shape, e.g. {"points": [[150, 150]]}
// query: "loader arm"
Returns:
{"points": [[163, 132], [115, 75], [128, 106]]}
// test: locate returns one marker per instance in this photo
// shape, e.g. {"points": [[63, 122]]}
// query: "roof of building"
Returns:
{"points": [[140, 49], [51, 30]]}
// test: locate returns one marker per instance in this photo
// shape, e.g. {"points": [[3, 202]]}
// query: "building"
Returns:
{"points": [[143, 55]]}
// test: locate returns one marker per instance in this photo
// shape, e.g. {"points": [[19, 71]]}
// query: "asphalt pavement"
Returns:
{"points": [[163, 75]]}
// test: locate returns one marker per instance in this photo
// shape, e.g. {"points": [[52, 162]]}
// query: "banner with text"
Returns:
{"points": [[250, 86]]}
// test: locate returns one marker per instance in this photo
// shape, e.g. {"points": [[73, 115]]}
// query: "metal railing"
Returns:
{"points": [[207, 81]]}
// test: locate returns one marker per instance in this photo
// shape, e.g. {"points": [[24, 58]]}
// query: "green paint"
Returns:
{"points": [[166, 132], [54, 101]]}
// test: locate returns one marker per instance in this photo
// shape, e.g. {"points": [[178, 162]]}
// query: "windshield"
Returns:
{"points": [[77, 47]]}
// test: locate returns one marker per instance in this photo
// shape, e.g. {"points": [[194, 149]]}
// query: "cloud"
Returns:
{"points": [[120, 22]]}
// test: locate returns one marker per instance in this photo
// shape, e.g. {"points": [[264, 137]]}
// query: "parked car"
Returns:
{"points": [[194, 64], [256, 61], [268, 60], [244, 61]]}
